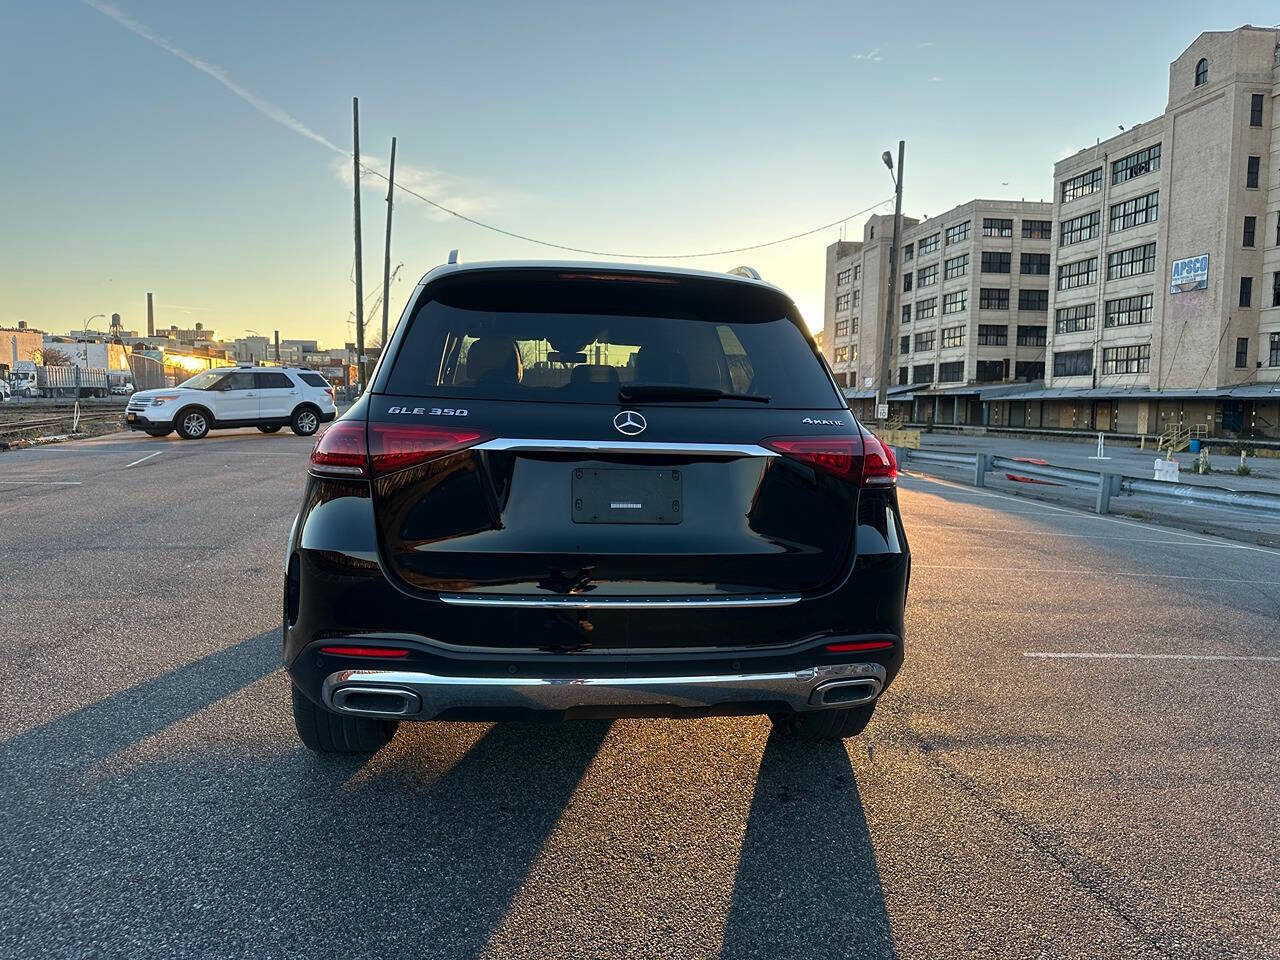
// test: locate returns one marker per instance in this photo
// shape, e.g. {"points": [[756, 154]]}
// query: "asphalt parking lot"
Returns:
{"points": [[1081, 757]]}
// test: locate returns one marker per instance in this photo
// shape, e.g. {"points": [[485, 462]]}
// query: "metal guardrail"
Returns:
{"points": [[1106, 485]]}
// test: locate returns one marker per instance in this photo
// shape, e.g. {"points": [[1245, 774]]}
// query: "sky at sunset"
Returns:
{"points": [[197, 150]]}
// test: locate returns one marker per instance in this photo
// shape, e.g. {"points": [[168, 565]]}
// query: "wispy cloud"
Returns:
{"points": [[872, 55], [457, 193], [935, 80], [927, 43]]}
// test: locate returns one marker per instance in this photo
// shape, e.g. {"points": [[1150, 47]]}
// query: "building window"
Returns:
{"points": [[906, 282], [1255, 110], [995, 261], [906, 313], [996, 227], [842, 328], [922, 373], [955, 267], [1251, 172], [1037, 300], [1084, 227], [857, 295], [1131, 262], [1202, 72], [927, 276], [904, 343], [1028, 370], [925, 341], [989, 370], [1242, 353], [857, 271], [1074, 319], [1275, 289], [926, 309], [1136, 164], [952, 336], [1274, 359], [956, 302], [1246, 291], [993, 335], [929, 244], [908, 251], [1029, 336], [993, 298], [1250, 227], [1128, 310], [842, 302], [958, 233], [902, 376], [842, 354], [1035, 264], [1278, 229], [952, 372], [1081, 186], [843, 277], [1081, 273], [1132, 359], [1037, 229], [1073, 363], [1132, 213]]}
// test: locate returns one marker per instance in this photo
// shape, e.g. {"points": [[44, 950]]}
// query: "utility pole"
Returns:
{"points": [[386, 256], [355, 168], [277, 346], [886, 352]]}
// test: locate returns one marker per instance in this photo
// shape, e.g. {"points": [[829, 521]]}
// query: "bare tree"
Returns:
{"points": [[53, 357]]}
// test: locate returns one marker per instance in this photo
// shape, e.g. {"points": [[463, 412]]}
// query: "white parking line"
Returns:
{"points": [[47, 483], [1040, 655], [1092, 573], [143, 459]]}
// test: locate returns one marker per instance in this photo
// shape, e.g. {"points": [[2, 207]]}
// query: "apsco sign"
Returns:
{"points": [[1189, 274]]}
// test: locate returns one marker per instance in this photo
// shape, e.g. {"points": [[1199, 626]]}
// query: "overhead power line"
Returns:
{"points": [[624, 256]]}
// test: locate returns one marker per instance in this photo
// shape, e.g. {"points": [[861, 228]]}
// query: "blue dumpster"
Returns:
{"points": [[1195, 446]]}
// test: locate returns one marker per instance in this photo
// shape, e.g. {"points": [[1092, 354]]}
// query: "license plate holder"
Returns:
{"points": [[627, 495], [132, 417]]}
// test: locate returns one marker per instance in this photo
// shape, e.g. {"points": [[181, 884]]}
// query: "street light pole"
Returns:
{"points": [[886, 348]]}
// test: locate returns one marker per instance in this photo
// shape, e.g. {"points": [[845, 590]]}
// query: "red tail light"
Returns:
{"points": [[839, 455], [857, 646], [394, 446], [384, 652], [879, 465], [342, 451], [346, 450]]}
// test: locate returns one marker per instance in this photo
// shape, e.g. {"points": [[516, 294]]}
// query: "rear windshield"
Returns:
{"points": [[314, 379], [551, 335]]}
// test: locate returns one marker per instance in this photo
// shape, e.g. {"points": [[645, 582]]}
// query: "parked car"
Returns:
{"points": [[582, 489], [122, 389], [246, 396]]}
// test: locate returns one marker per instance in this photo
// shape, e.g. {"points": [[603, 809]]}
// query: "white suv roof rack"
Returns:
{"points": [[749, 272]]}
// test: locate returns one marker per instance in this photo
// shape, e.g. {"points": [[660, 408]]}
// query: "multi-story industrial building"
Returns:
{"points": [[971, 307], [1166, 262]]}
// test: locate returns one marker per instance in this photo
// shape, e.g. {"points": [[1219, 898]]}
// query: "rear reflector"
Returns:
{"points": [[879, 465], [366, 651], [347, 450], [856, 646], [841, 456]]}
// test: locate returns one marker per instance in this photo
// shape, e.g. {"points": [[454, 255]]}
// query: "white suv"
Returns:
{"points": [[264, 397]]}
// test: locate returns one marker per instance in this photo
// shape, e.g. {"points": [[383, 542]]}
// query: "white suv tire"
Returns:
{"points": [[192, 423]]}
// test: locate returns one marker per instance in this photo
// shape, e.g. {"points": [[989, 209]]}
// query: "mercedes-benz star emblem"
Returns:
{"points": [[629, 423]]}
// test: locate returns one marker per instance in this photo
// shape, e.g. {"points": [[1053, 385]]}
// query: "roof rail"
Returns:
{"points": [[453, 257], [749, 272]]}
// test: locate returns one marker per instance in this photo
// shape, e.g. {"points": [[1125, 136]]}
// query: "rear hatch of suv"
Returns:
{"points": [[556, 432]]}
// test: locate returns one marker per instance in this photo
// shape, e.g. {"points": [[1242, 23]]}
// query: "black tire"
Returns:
{"points": [[305, 421], [159, 433], [192, 423], [265, 428], [324, 731], [825, 724]]}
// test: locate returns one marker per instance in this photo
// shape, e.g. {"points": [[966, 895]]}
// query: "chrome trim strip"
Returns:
{"points": [[794, 688], [627, 446], [609, 603]]}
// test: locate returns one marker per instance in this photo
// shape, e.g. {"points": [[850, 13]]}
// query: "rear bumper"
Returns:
{"points": [[412, 695]]}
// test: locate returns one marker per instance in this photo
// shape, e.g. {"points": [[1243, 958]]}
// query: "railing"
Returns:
{"points": [[1178, 437], [1105, 485]]}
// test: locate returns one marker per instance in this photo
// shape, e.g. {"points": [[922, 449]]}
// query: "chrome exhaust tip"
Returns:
{"points": [[846, 693], [375, 701]]}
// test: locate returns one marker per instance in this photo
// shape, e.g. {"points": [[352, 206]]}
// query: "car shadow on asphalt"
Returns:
{"points": [[808, 884]]}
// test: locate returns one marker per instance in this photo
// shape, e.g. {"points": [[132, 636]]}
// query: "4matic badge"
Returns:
{"points": [[828, 423]]}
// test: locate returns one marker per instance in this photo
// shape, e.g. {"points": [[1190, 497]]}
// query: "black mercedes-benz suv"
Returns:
{"points": [[586, 490]]}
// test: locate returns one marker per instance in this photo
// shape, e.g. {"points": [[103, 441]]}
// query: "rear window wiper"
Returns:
{"points": [[657, 392]]}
